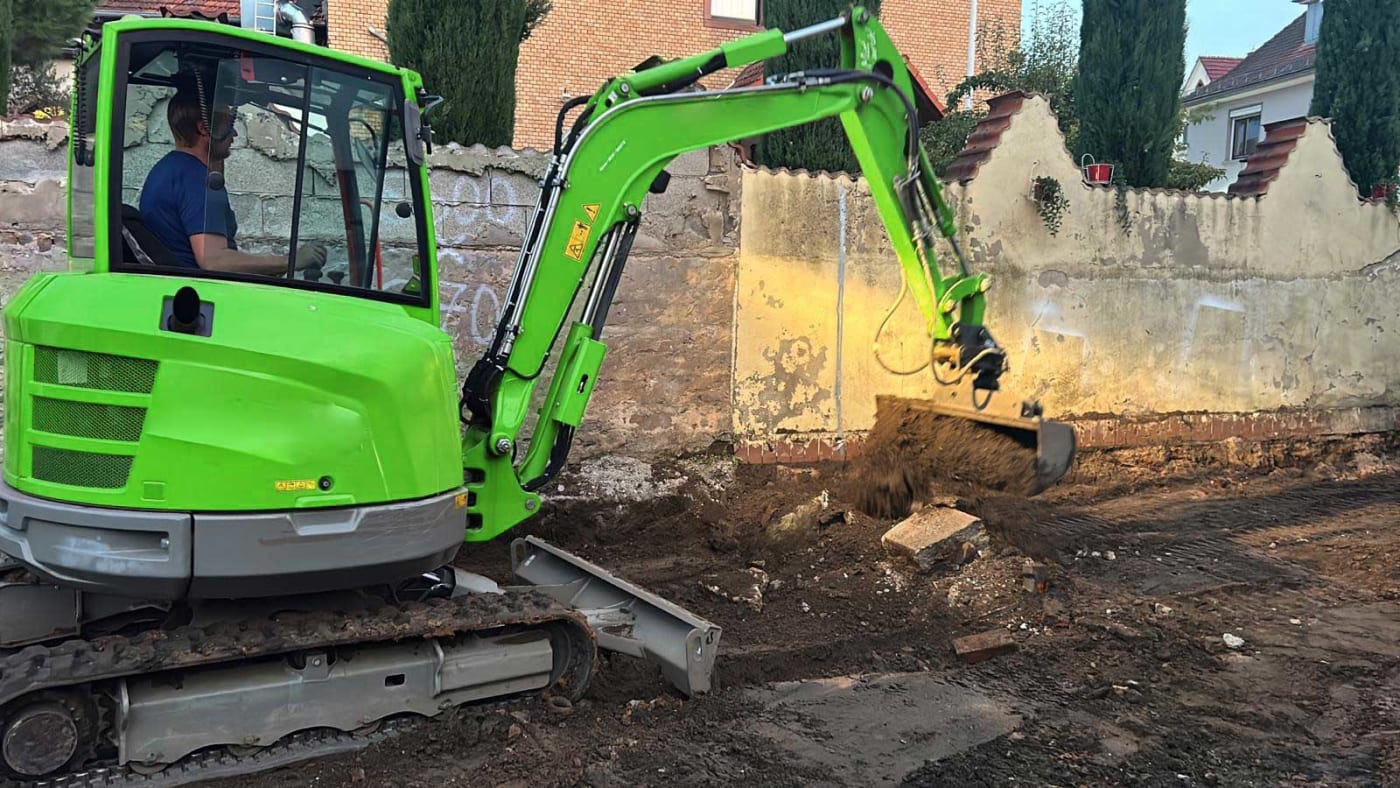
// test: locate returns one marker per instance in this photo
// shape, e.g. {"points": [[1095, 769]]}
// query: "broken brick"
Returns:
{"points": [[983, 646], [937, 536]]}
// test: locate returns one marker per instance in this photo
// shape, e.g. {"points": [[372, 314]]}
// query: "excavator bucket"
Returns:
{"points": [[983, 439]]}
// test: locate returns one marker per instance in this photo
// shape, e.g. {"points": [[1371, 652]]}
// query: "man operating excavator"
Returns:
{"points": [[192, 218]]}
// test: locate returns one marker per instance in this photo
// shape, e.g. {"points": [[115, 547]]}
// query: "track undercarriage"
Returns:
{"points": [[171, 694]]}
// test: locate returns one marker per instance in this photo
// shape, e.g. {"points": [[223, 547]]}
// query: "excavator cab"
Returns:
{"points": [[298, 158]]}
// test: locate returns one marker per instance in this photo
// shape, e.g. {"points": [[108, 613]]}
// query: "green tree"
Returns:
{"points": [[467, 53], [1043, 61], [7, 28], [1131, 58], [1191, 176], [34, 32], [814, 146], [1358, 86]]}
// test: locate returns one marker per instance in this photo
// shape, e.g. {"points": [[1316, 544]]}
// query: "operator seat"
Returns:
{"points": [[140, 246]]}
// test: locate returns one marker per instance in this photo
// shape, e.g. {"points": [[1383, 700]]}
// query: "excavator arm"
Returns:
{"points": [[591, 202]]}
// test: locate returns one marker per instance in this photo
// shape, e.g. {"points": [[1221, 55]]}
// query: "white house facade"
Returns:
{"points": [[1274, 83]]}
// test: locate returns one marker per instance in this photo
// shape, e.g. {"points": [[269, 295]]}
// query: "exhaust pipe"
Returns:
{"points": [[292, 14]]}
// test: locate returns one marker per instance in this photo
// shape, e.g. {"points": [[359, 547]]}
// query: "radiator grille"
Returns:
{"points": [[81, 468], [94, 370], [88, 419]]}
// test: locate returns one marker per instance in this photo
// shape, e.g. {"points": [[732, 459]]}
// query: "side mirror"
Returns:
{"points": [[413, 127], [417, 128]]}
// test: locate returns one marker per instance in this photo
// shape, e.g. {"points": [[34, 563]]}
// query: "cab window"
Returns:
{"points": [[248, 165]]}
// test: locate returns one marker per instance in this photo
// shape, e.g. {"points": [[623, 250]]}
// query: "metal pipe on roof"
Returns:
{"points": [[292, 14]]}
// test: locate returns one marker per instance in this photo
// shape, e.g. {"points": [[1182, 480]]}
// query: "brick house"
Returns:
{"points": [[581, 42]]}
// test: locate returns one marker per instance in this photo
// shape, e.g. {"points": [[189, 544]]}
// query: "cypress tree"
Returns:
{"points": [[467, 53], [42, 28], [6, 33], [1131, 58], [813, 146], [1358, 86]]}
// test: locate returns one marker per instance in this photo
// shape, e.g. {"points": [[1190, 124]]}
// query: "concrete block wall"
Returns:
{"points": [[665, 385], [1206, 316]]}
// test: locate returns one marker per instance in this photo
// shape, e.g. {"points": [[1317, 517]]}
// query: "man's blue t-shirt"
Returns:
{"points": [[176, 202]]}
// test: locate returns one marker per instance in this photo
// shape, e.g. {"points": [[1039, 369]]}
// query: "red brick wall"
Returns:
{"points": [[933, 34], [348, 23], [581, 43]]}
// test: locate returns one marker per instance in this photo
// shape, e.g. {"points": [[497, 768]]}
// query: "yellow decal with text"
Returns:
{"points": [[578, 238], [592, 210], [295, 485], [460, 500]]}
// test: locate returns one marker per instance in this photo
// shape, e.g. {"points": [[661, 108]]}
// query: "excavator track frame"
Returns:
{"points": [[83, 664]]}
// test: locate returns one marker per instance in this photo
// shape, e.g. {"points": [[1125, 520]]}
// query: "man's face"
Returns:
{"points": [[224, 133]]}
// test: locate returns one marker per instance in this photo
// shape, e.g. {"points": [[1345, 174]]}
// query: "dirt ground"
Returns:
{"points": [[840, 669]]}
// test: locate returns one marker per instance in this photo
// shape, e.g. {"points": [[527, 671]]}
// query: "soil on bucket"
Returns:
{"points": [[910, 449]]}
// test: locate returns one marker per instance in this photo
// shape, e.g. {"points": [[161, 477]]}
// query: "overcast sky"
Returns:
{"points": [[1228, 28]]}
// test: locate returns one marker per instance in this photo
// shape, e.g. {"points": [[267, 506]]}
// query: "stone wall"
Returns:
{"points": [[666, 378], [1161, 304]]}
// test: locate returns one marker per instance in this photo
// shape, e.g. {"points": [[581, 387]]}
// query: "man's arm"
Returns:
{"points": [[212, 253]]}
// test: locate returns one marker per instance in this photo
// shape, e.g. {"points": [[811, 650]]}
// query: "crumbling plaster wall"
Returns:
{"points": [[1202, 303], [666, 380]]}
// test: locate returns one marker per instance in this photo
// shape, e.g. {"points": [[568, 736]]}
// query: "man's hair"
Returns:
{"points": [[184, 116]]}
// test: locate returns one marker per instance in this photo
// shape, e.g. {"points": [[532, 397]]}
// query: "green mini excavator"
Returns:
{"points": [[237, 462]]}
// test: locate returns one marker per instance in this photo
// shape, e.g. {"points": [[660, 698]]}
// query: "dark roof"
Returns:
{"points": [[1217, 67], [209, 8], [1265, 162], [927, 105], [748, 76], [1284, 55], [985, 138]]}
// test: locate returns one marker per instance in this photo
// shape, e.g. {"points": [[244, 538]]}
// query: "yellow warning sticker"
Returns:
{"points": [[295, 485], [578, 238], [461, 500], [592, 210]]}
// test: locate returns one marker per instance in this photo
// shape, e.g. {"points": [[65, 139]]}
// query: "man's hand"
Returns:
{"points": [[312, 254]]}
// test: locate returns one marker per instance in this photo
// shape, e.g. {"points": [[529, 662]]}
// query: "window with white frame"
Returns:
{"points": [[742, 11], [1245, 130]]}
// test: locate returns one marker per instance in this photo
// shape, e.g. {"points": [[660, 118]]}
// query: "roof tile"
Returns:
{"points": [[153, 7], [1272, 154], [985, 138], [1217, 67]]}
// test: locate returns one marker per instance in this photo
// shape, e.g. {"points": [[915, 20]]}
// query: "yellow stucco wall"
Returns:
{"points": [[1205, 303]]}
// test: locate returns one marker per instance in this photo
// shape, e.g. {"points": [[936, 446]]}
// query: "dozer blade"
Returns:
{"points": [[994, 442], [626, 618]]}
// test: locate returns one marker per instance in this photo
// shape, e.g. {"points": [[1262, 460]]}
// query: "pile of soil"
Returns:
{"points": [[911, 448]]}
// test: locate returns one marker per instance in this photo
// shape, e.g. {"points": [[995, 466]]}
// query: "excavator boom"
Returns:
{"points": [[615, 153]]}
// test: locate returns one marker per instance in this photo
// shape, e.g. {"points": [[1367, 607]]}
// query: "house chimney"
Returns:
{"points": [[1313, 25]]}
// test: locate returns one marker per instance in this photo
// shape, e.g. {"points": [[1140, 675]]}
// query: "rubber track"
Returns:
{"points": [[78, 662]]}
